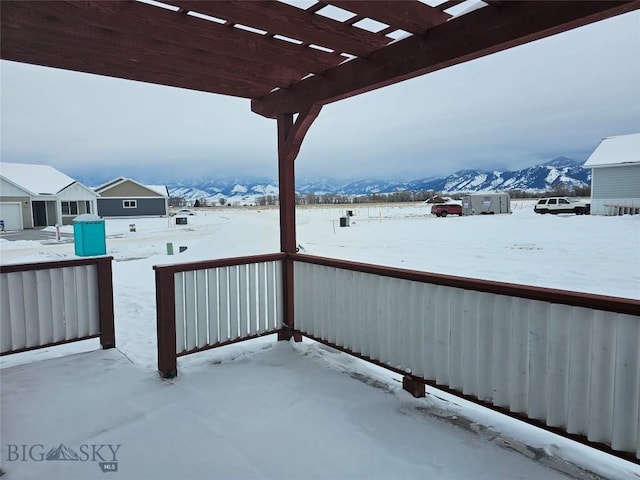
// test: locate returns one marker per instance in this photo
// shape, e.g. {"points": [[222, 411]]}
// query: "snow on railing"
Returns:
{"points": [[51, 303], [203, 305], [559, 359]]}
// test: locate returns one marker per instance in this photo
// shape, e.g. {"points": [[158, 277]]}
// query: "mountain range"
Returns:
{"points": [[538, 178]]}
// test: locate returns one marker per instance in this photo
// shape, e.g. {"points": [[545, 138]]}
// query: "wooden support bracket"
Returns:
{"points": [[414, 386]]}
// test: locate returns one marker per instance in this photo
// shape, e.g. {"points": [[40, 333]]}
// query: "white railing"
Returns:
{"points": [[561, 358], [52, 303], [208, 304]]}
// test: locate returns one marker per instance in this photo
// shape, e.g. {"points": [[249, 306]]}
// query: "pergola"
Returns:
{"points": [[290, 60]]}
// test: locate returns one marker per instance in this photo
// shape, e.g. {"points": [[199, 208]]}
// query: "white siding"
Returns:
{"points": [[615, 187], [616, 182], [10, 190]]}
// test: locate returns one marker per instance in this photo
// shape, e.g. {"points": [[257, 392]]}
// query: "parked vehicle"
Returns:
{"points": [[562, 205], [183, 212], [444, 209]]}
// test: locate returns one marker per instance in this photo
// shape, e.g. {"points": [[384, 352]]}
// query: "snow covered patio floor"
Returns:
{"points": [[260, 409]]}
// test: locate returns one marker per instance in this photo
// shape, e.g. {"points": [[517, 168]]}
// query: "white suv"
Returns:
{"points": [[562, 205]]}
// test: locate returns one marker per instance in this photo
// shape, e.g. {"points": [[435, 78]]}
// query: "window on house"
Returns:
{"points": [[130, 204], [69, 208], [87, 206]]}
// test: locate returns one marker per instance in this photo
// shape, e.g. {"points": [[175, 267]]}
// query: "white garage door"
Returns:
{"points": [[12, 216]]}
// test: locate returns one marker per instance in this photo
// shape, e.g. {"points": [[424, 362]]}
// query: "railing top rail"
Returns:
{"points": [[579, 299], [76, 262], [223, 262]]}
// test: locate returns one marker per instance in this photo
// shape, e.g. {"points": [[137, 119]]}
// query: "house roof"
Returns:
{"points": [[285, 58], [622, 149], [36, 179], [158, 189]]}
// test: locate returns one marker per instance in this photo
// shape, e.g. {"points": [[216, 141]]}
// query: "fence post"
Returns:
{"points": [[105, 303], [166, 322]]}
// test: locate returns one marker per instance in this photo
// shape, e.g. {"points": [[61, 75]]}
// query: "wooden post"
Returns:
{"points": [[105, 303], [166, 323], [290, 136], [286, 180]]}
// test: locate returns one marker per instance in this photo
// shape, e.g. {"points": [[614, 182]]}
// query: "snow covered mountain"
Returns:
{"points": [[537, 178]]}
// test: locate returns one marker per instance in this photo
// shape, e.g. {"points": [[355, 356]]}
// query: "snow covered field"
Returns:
{"points": [[581, 253]]}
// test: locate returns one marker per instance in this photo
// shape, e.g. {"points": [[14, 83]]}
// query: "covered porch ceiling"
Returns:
{"points": [[285, 57]]}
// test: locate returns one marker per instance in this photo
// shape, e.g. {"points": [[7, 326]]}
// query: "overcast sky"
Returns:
{"points": [[514, 109]]}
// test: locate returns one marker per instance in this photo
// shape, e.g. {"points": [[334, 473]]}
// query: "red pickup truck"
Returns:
{"points": [[444, 209]]}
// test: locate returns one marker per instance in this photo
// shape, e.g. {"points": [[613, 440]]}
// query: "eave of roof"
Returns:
{"points": [[616, 151]]}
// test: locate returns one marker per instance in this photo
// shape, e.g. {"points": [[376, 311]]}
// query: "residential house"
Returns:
{"points": [[34, 195], [124, 197], [615, 179]]}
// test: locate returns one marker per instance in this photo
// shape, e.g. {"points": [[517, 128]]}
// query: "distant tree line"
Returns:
{"points": [[558, 190]]}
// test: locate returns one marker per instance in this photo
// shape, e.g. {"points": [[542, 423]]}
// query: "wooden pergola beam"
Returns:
{"points": [[127, 25], [211, 71], [413, 17], [276, 17], [479, 33]]}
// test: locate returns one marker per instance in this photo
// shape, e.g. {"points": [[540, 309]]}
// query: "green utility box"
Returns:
{"points": [[89, 235]]}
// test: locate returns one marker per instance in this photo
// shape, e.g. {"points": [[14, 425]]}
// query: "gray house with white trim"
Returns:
{"points": [[615, 179], [124, 197], [33, 195]]}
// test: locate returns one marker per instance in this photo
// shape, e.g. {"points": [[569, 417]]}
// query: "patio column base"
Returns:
{"points": [[287, 335], [413, 386]]}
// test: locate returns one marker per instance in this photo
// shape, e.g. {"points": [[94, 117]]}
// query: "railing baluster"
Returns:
{"points": [[180, 326], [224, 303], [254, 326], [6, 331], [502, 350], [469, 352], [17, 312], [58, 305], [443, 334], [82, 299], [278, 294], [263, 306], [243, 300], [559, 348], [485, 353], [579, 370], [601, 384], [44, 302], [538, 348], [202, 314], [519, 361], [429, 333], [214, 306], [70, 306], [190, 325], [626, 394], [456, 309]]}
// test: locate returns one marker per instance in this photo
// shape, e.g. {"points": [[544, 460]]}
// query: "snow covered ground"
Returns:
{"points": [[303, 414]]}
